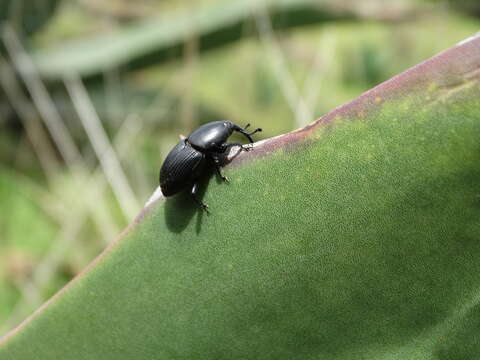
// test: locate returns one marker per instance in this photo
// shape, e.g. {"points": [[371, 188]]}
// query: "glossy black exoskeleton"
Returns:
{"points": [[187, 161]]}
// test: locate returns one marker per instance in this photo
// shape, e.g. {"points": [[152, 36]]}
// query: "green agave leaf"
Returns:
{"points": [[355, 237], [159, 39]]}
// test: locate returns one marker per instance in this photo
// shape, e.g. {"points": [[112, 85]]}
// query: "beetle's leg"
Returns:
{"points": [[247, 134], [227, 146], [217, 163], [194, 192]]}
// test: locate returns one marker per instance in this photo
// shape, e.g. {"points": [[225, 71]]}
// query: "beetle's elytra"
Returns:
{"points": [[187, 161]]}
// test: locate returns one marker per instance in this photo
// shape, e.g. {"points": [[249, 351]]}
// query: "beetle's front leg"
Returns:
{"points": [[243, 147], [194, 192], [225, 151], [217, 163]]}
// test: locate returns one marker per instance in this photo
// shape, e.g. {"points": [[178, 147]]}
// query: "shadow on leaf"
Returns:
{"points": [[180, 208]]}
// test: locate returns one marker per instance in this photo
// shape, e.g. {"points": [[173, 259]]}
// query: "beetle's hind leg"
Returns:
{"points": [[193, 193]]}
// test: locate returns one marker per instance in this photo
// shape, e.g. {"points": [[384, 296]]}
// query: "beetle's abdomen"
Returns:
{"points": [[182, 165]]}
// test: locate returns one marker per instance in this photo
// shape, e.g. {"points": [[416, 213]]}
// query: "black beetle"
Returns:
{"points": [[187, 160]]}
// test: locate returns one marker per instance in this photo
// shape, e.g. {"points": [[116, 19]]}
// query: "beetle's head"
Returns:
{"points": [[228, 124]]}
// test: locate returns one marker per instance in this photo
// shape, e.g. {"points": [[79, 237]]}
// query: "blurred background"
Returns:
{"points": [[94, 93]]}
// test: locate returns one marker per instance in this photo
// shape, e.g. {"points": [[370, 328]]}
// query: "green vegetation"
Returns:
{"points": [[357, 236], [57, 215]]}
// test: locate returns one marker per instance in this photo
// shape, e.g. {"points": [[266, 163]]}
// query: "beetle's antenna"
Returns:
{"points": [[248, 134], [255, 131]]}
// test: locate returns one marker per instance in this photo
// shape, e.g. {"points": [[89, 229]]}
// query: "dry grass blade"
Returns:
{"points": [[41, 97], [321, 64], [30, 120], [298, 105], [102, 146]]}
